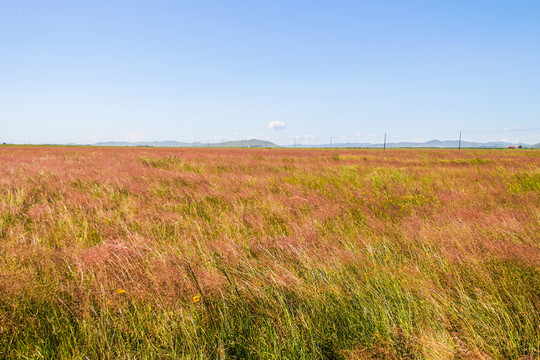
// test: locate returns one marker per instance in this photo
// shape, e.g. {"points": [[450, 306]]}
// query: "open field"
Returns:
{"points": [[298, 254]]}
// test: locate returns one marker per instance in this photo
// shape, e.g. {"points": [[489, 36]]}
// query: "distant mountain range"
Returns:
{"points": [[427, 144], [255, 143], [252, 143]]}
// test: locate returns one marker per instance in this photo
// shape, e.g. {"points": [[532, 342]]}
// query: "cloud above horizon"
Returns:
{"points": [[277, 125], [135, 136]]}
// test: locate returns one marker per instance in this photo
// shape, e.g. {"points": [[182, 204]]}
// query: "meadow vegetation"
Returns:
{"points": [[269, 254]]}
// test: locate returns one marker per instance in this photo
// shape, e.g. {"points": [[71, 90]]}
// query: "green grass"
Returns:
{"points": [[295, 255]]}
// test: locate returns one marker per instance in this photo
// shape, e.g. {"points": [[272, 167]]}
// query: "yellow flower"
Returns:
{"points": [[120, 291], [197, 298]]}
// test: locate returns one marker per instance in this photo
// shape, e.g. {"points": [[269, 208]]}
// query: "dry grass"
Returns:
{"points": [[298, 254]]}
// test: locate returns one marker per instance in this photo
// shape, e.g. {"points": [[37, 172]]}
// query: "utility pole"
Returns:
{"points": [[459, 144], [384, 145]]}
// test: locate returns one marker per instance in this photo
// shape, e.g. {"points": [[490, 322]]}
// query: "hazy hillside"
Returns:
{"points": [[251, 143], [256, 143], [428, 144]]}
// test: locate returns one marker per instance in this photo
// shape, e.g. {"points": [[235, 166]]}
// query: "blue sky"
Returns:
{"points": [[83, 72]]}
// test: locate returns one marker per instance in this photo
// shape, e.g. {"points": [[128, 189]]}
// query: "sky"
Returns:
{"points": [[89, 71]]}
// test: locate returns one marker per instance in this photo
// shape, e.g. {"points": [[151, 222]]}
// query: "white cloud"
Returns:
{"points": [[370, 135], [396, 136], [136, 136], [92, 138], [305, 138], [358, 133], [511, 139], [277, 125]]}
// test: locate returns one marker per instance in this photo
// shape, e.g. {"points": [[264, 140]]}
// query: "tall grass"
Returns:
{"points": [[269, 254]]}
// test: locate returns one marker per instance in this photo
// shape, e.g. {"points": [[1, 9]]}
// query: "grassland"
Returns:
{"points": [[269, 254]]}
